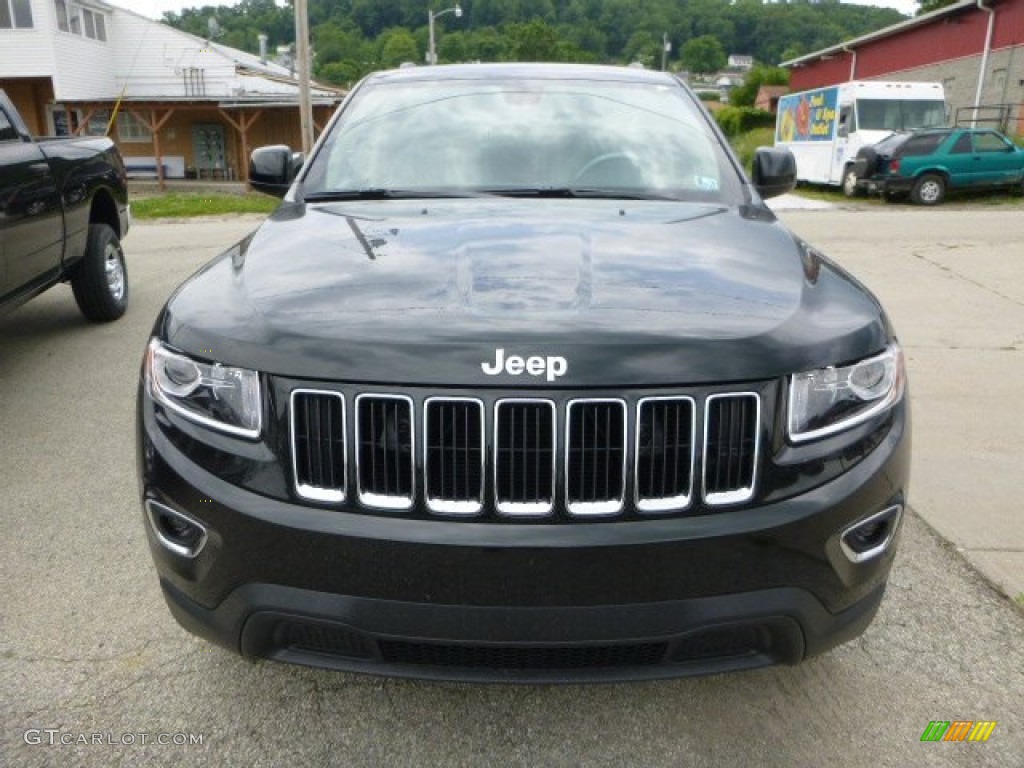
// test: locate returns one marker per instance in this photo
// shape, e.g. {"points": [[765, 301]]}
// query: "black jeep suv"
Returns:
{"points": [[523, 381]]}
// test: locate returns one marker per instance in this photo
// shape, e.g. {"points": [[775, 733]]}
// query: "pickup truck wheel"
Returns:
{"points": [[850, 188], [928, 190], [100, 281]]}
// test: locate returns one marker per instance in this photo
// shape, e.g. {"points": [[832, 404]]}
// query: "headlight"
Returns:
{"points": [[215, 395], [829, 400]]}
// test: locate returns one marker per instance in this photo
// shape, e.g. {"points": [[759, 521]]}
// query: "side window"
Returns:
{"points": [[923, 145], [962, 146], [847, 121], [990, 142], [7, 131]]}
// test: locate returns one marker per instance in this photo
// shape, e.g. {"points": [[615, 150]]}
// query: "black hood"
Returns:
{"points": [[628, 292]]}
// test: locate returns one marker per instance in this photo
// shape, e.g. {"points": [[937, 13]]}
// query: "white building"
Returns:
{"points": [[198, 106]]}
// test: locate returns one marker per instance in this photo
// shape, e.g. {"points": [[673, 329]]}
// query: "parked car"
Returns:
{"points": [[927, 163], [523, 380], [63, 212]]}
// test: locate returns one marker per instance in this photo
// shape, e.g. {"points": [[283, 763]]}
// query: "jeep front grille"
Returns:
{"points": [[385, 454], [318, 445], [730, 447], [595, 456], [665, 437], [527, 457], [453, 455], [524, 456]]}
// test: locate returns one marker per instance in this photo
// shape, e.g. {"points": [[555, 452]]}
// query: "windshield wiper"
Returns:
{"points": [[576, 192], [380, 193]]}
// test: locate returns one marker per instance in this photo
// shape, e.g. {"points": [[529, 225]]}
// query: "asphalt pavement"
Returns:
{"points": [[94, 671]]}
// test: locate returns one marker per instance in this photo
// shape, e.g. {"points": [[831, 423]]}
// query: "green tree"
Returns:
{"points": [[744, 95], [343, 73], [926, 6], [589, 30], [703, 54], [397, 45], [533, 41], [642, 47]]}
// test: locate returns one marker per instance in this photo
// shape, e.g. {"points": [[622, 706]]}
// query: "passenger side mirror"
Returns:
{"points": [[273, 169], [774, 171]]}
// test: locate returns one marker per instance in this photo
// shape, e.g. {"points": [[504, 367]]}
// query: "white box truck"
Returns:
{"points": [[825, 127]]}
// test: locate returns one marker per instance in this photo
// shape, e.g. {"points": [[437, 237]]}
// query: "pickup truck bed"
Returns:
{"points": [[63, 212]]}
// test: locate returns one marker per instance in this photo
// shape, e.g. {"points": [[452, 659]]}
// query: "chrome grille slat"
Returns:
{"points": [[524, 456], [319, 455], [665, 441], [731, 447], [453, 455], [385, 451], [595, 456]]}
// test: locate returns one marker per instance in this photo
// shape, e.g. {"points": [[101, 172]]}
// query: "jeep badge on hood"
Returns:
{"points": [[535, 365]]}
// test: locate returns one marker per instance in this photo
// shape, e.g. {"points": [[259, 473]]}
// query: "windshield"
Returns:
{"points": [[514, 136], [899, 114]]}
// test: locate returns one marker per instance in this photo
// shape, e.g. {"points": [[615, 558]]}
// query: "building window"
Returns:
{"points": [[195, 81], [63, 121], [80, 21], [15, 14], [62, 15], [97, 123], [131, 129]]}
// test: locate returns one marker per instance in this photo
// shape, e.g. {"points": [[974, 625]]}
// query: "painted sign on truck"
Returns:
{"points": [[807, 116]]}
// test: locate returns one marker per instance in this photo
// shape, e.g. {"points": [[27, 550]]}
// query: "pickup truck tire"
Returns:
{"points": [[929, 189], [100, 281]]}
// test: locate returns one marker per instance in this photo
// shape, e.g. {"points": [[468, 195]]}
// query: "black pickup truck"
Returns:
{"points": [[63, 212]]}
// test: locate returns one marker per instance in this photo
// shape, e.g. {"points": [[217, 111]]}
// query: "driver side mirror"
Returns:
{"points": [[774, 171], [273, 169]]}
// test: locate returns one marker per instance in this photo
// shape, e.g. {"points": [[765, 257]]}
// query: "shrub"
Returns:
{"points": [[738, 120], [747, 143]]}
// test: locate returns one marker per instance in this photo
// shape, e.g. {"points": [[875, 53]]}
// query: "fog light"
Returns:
{"points": [[870, 537], [174, 530]]}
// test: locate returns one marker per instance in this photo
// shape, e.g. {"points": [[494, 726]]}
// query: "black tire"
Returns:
{"points": [[849, 183], [929, 189], [866, 163], [100, 279]]}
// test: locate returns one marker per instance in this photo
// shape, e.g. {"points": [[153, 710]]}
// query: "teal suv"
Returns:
{"points": [[926, 164]]}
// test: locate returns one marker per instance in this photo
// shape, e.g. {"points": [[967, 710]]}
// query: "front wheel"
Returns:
{"points": [[930, 189], [100, 280], [850, 188]]}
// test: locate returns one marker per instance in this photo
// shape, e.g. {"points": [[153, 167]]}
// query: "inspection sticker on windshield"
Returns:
{"points": [[705, 183]]}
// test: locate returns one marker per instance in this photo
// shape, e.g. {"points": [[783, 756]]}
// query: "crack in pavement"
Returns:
{"points": [[965, 278]]}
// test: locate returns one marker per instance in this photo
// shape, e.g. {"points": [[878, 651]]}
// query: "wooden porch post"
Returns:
{"points": [[86, 117], [154, 126], [242, 125]]}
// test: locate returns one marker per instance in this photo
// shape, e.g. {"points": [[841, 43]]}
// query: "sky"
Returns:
{"points": [[155, 8]]}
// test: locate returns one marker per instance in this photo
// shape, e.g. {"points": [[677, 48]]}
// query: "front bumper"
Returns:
{"points": [[466, 600]]}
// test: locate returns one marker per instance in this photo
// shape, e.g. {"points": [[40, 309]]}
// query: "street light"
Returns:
{"points": [[432, 53]]}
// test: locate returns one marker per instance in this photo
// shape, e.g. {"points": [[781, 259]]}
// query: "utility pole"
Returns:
{"points": [[302, 54]]}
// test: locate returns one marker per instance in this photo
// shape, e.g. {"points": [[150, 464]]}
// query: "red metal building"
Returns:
{"points": [[974, 47]]}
